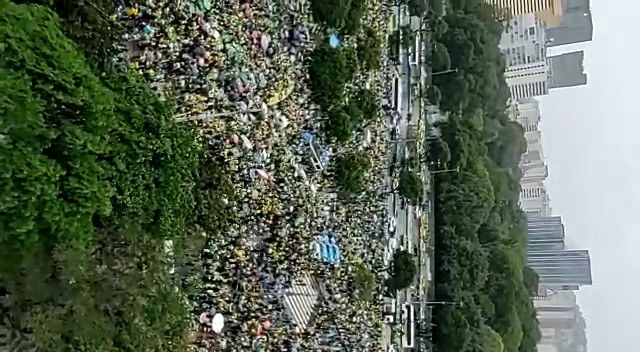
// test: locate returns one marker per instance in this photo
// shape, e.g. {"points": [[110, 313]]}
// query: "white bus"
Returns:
{"points": [[408, 331]]}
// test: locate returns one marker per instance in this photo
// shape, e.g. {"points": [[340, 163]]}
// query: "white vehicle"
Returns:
{"points": [[392, 224], [408, 338], [393, 244]]}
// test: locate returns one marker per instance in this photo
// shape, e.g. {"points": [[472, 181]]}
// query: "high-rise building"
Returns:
{"points": [[522, 41], [576, 25], [567, 70], [527, 80], [511, 8], [561, 267], [552, 16], [545, 233], [557, 310], [534, 198]]}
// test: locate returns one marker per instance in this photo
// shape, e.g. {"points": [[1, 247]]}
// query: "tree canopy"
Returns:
{"points": [[403, 270], [350, 171], [96, 177], [341, 15], [411, 185], [369, 49], [480, 231]]}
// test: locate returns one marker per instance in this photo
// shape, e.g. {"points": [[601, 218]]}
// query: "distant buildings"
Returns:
{"points": [[545, 234], [576, 24], [531, 26], [561, 267], [534, 199], [567, 70], [506, 9], [556, 311], [534, 26]]}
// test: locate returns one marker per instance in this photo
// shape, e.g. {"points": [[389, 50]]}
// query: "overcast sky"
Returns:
{"points": [[591, 138]]}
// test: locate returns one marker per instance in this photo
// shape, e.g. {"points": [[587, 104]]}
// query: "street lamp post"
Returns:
{"points": [[457, 169], [444, 72], [445, 303]]}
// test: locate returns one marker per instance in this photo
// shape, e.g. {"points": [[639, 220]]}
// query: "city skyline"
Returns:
{"points": [[590, 174]]}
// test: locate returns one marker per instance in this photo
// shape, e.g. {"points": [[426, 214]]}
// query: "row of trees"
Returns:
{"points": [[347, 108], [480, 230], [96, 176]]}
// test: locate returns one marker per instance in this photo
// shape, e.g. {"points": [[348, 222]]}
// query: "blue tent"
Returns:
{"points": [[334, 41], [307, 137], [327, 248]]}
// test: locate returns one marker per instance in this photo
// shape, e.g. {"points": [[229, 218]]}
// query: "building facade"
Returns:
{"points": [[545, 233], [576, 25], [527, 80], [567, 70], [511, 8], [561, 267]]}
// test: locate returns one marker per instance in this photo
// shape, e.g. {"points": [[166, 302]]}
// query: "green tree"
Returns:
{"points": [[329, 72], [341, 15], [368, 102], [394, 45], [339, 124], [440, 59], [369, 49], [96, 174], [436, 9], [407, 37], [411, 186], [434, 96], [418, 7], [530, 278], [365, 282], [350, 171], [438, 151], [403, 270]]}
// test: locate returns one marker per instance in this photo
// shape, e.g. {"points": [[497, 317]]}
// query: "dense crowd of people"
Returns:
{"points": [[237, 70]]}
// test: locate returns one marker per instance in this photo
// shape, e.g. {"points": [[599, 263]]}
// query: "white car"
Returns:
{"points": [[392, 224], [393, 244]]}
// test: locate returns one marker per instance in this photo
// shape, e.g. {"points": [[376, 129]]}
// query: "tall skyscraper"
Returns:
{"points": [[576, 25], [567, 70], [558, 310], [545, 234], [561, 267]]}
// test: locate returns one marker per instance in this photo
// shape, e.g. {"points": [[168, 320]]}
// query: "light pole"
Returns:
{"points": [[444, 72], [457, 169], [445, 303]]}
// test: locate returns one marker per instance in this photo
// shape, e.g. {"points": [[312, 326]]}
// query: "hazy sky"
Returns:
{"points": [[591, 136]]}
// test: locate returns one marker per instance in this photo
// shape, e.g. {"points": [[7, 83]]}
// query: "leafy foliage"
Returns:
{"points": [[350, 170], [407, 37], [393, 41], [403, 270], [341, 15], [434, 96], [97, 176], [365, 282], [480, 230], [440, 59], [330, 70], [411, 185], [418, 7], [369, 48]]}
